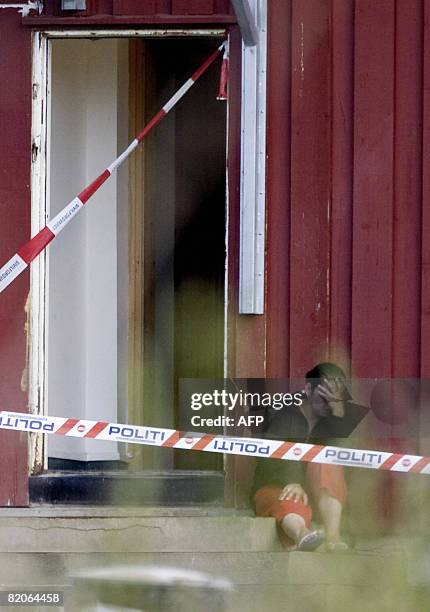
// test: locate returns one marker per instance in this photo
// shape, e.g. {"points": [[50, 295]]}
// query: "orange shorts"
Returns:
{"points": [[319, 476]]}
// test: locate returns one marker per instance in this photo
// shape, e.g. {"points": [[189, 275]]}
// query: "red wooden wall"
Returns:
{"points": [[348, 186], [15, 156], [122, 12]]}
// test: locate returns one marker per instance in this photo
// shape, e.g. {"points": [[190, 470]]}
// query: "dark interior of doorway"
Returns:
{"points": [[184, 186], [197, 259]]}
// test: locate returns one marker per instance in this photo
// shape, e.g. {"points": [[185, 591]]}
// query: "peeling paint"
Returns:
{"points": [[141, 33], [27, 328], [25, 9], [36, 304], [302, 57]]}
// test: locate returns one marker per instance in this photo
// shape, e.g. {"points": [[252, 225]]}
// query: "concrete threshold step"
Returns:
{"points": [[137, 534], [90, 511]]}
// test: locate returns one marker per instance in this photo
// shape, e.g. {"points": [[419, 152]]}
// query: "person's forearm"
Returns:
{"points": [[338, 408]]}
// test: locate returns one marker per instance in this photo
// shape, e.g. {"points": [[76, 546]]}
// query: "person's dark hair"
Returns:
{"points": [[323, 370]]}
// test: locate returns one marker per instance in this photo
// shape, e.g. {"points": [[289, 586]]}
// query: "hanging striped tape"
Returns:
{"points": [[27, 253], [251, 447]]}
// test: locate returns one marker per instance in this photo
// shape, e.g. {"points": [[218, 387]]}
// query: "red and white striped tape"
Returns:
{"points": [[29, 251], [251, 447], [223, 83]]}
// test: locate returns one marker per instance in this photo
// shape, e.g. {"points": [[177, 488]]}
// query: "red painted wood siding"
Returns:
{"points": [[425, 229], [145, 8], [15, 149], [348, 186]]}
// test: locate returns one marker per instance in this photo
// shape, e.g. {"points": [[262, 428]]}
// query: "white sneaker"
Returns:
{"points": [[310, 541]]}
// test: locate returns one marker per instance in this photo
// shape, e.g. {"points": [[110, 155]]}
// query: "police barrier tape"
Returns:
{"points": [[251, 447], [31, 249]]}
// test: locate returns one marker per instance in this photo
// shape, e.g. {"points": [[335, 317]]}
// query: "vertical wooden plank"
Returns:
{"points": [[15, 150], [373, 188], [138, 280], [425, 279], [407, 189], [424, 446], [342, 180], [246, 351], [278, 186], [407, 220], [192, 7], [310, 184], [233, 233], [246, 335]]}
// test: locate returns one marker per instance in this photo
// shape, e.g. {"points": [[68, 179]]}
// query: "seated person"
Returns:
{"points": [[281, 487]]}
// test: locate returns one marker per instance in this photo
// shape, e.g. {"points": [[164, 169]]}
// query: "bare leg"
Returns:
{"points": [[294, 526], [331, 513]]}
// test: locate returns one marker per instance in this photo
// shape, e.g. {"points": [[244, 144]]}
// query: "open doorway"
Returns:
{"points": [[136, 284]]}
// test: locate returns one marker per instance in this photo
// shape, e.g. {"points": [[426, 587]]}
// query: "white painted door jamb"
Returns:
{"points": [[253, 168]]}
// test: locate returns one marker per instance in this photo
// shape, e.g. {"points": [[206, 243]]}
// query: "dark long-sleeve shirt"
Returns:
{"points": [[290, 424]]}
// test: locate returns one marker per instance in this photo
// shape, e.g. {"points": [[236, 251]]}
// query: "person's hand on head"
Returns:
{"points": [[335, 393]]}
